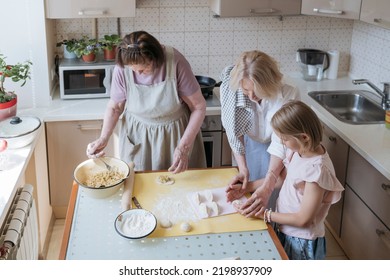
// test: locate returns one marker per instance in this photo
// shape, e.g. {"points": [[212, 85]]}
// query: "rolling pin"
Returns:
{"points": [[128, 189]]}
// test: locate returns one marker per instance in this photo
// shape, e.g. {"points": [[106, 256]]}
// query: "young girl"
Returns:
{"points": [[310, 185]]}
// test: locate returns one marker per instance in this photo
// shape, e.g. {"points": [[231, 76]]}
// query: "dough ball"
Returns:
{"points": [[186, 227], [164, 180], [214, 209], [203, 210], [165, 223], [237, 204]]}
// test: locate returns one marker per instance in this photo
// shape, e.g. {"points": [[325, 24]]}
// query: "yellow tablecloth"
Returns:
{"points": [[148, 192]]}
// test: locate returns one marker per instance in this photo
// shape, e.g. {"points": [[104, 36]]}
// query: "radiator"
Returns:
{"points": [[19, 237]]}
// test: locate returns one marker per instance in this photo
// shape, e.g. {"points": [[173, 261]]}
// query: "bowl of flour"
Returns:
{"points": [[135, 223]]}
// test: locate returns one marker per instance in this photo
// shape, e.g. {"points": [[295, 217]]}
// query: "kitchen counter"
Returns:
{"points": [[371, 141]]}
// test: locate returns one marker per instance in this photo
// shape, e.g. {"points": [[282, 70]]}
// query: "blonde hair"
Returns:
{"points": [[261, 69], [295, 118]]}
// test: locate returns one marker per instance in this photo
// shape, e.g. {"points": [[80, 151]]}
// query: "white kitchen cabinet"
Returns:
{"points": [[89, 8], [349, 9], [376, 12], [246, 8], [365, 231], [66, 144], [338, 152]]}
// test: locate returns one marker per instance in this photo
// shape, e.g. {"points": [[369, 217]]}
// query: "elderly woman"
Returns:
{"points": [[163, 106], [251, 92]]}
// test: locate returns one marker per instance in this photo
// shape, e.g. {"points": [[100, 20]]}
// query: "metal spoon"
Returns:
{"points": [[109, 167]]}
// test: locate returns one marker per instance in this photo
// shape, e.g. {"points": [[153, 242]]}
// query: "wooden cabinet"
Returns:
{"points": [[246, 8], [376, 12], [66, 144], [89, 8], [338, 152], [342, 9], [365, 231]]}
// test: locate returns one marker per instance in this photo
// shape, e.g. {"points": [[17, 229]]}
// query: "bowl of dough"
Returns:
{"points": [[97, 180]]}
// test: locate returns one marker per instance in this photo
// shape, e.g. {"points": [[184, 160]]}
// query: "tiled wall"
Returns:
{"points": [[211, 43]]}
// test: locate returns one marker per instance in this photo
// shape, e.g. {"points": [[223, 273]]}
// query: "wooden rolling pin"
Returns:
{"points": [[128, 189]]}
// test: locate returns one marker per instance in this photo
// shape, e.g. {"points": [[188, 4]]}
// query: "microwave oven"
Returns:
{"points": [[79, 79]]}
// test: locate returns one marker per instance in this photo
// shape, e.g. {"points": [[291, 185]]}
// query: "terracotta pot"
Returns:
{"points": [[89, 57], [109, 54], [8, 109]]}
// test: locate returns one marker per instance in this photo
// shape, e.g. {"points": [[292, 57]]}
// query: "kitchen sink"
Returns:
{"points": [[353, 106]]}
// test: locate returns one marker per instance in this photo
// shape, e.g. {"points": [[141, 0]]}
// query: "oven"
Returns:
{"points": [[212, 139]]}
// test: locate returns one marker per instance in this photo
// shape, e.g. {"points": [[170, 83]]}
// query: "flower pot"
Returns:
{"points": [[68, 54], [109, 55], [8, 109], [89, 57]]}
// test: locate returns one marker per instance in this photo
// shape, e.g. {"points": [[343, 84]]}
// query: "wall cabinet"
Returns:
{"points": [[338, 152], [246, 8], [66, 145], [365, 231], [376, 12], [89, 8], [342, 9]]}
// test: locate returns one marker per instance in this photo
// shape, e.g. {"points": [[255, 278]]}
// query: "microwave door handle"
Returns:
{"points": [[107, 79]]}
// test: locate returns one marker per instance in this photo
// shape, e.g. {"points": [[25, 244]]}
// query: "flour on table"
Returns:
{"points": [[174, 207]]}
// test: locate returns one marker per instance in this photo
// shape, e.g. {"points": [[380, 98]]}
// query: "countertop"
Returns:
{"points": [[371, 141]]}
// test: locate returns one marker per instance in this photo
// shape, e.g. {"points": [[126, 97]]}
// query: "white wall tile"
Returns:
{"points": [[217, 63], [293, 40], [197, 3], [246, 23], [197, 19], [340, 39], [297, 22], [317, 39], [147, 19], [196, 43], [199, 64], [270, 23], [148, 3], [244, 41], [126, 26], [270, 41], [221, 24], [221, 43], [174, 39], [313, 22], [172, 19], [172, 3]]}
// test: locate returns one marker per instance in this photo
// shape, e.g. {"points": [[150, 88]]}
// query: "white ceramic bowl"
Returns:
{"points": [[93, 166], [135, 223]]}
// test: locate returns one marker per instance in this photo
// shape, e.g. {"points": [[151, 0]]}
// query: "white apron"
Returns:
{"points": [[154, 122]]}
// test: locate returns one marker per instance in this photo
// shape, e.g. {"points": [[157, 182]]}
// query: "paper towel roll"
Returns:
{"points": [[332, 71]]}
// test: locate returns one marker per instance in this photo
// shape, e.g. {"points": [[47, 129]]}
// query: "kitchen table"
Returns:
{"points": [[89, 233]]}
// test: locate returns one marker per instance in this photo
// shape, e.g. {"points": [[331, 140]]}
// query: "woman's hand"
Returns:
{"points": [[180, 160], [96, 148]]}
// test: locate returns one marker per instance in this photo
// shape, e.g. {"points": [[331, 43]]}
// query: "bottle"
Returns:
{"points": [[387, 119]]}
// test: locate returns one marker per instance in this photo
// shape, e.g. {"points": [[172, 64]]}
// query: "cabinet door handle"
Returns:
{"points": [[327, 11], [89, 127], [384, 236], [262, 11], [386, 188], [382, 22], [92, 12]]}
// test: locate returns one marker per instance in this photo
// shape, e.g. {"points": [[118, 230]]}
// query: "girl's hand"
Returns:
{"points": [[234, 191], [257, 203]]}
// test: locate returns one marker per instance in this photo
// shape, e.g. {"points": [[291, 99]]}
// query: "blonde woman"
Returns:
{"points": [[251, 92], [310, 185]]}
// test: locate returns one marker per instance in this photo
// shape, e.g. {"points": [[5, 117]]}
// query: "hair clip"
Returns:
{"points": [[132, 46]]}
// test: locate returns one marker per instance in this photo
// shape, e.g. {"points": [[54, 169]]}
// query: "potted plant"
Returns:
{"points": [[109, 44], [69, 48], [16, 73], [87, 49]]}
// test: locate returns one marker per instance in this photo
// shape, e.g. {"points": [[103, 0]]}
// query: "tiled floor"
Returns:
{"points": [[334, 250]]}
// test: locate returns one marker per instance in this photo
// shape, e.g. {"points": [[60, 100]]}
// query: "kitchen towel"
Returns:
{"points": [[332, 71]]}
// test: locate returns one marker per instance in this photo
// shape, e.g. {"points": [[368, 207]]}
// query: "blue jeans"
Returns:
{"points": [[303, 249]]}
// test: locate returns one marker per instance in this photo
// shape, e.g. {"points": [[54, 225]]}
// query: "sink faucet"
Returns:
{"points": [[385, 94]]}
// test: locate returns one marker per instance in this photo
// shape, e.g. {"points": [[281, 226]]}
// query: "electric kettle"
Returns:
{"points": [[313, 63]]}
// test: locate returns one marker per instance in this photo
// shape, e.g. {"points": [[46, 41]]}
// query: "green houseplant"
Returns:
{"points": [[87, 49], [109, 44], [69, 48], [18, 72]]}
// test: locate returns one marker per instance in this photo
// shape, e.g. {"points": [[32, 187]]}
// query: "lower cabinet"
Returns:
{"points": [[66, 147], [338, 152], [365, 231]]}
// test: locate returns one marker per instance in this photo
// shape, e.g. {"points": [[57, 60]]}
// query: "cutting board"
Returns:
{"points": [[171, 202]]}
